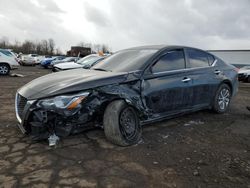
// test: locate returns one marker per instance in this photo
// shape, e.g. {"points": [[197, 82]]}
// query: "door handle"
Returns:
{"points": [[217, 72], [186, 79]]}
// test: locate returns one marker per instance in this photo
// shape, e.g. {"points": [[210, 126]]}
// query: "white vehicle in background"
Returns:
{"points": [[39, 58], [8, 61], [31, 59], [86, 62], [244, 74]]}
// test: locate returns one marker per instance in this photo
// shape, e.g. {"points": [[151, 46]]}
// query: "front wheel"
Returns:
{"points": [[121, 124], [222, 99], [4, 69]]}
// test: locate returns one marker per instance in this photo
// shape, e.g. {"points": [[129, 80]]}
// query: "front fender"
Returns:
{"points": [[129, 92]]}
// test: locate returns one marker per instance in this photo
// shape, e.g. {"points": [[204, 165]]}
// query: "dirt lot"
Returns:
{"points": [[202, 149]]}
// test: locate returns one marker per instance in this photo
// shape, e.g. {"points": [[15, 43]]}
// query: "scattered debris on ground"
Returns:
{"points": [[16, 75]]}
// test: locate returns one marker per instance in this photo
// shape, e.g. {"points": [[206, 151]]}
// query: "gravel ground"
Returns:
{"points": [[201, 149]]}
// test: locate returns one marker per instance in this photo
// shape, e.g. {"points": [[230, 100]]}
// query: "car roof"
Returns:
{"points": [[158, 47]]}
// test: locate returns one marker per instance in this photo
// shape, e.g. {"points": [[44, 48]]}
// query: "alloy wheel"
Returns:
{"points": [[3, 69], [224, 98]]}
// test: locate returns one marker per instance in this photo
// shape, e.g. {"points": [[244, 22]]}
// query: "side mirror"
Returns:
{"points": [[86, 66]]}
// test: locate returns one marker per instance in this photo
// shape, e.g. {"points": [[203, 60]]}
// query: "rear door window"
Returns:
{"points": [[197, 58], [172, 60]]}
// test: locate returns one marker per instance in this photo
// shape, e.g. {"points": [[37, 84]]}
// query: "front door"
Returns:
{"points": [[165, 88]]}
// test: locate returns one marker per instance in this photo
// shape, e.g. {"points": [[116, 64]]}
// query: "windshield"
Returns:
{"points": [[88, 60], [68, 59], [125, 61], [84, 58]]}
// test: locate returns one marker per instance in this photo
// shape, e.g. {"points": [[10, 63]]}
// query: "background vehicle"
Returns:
{"points": [[124, 91], [8, 61], [65, 60], [30, 59], [47, 61], [244, 74], [85, 63]]}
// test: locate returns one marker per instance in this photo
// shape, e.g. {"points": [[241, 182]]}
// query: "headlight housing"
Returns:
{"points": [[63, 104]]}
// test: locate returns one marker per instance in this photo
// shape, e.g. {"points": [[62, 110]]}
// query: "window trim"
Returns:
{"points": [[213, 58], [188, 59], [163, 54], [186, 69], [147, 73]]}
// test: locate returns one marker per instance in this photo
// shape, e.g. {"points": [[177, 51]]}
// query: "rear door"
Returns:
{"points": [[165, 88], [205, 78]]}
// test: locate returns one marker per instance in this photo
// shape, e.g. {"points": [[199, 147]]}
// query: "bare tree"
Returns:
{"points": [[39, 48], [28, 47], [96, 48], [45, 47], [51, 46], [58, 51], [105, 48]]}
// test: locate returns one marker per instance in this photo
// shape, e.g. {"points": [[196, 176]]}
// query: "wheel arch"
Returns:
{"points": [[229, 83], [115, 92], [5, 64], [105, 104]]}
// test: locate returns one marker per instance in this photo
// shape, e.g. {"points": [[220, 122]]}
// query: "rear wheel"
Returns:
{"points": [[121, 124], [222, 99], [4, 69]]}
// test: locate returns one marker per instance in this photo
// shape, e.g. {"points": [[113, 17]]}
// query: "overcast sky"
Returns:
{"points": [[207, 24]]}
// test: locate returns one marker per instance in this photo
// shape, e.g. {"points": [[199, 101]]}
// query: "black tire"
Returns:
{"points": [[222, 99], [4, 69], [121, 124]]}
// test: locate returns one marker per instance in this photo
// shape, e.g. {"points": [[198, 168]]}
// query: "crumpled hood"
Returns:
{"points": [[68, 65], [69, 81]]}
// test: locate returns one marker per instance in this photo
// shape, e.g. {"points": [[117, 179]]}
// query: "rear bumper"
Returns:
{"points": [[29, 62]]}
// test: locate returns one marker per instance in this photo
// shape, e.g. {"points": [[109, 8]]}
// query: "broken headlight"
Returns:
{"points": [[64, 104]]}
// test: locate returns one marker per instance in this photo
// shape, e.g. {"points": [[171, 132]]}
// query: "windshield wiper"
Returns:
{"points": [[100, 69]]}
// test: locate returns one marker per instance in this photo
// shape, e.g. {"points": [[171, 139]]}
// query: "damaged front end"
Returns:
{"points": [[60, 116], [56, 116]]}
